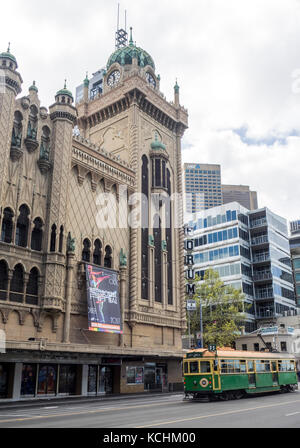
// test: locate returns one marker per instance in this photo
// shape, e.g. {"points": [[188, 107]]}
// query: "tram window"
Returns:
{"points": [[227, 366], [186, 367], [243, 366], [237, 366], [267, 366], [194, 367], [216, 363], [292, 366], [205, 367], [250, 366], [260, 366], [274, 367]]}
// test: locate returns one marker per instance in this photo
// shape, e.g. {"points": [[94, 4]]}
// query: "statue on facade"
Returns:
{"points": [[31, 131], [44, 150], [123, 259], [70, 243]]}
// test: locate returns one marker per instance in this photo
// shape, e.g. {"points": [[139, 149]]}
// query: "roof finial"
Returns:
{"points": [[131, 39], [8, 49], [65, 86]]}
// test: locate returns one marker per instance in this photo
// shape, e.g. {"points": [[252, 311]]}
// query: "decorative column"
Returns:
{"points": [[133, 231], [180, 232], [69, 283], [164, 274], [123, 276], [151, 271]]}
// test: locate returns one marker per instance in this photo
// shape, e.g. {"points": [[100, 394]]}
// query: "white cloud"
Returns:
{"points": [[235, 61]]}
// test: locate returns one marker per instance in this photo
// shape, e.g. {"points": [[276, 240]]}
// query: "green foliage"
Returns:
{"points": [[222, 311]]}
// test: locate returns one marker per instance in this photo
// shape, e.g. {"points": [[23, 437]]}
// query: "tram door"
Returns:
{"points": [[251, 374], [274, 373], [216, 375]]}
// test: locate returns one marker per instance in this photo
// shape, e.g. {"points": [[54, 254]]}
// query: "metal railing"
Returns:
{"points": [[261, 257], [258, 223], [264, 275], [265, 294], [259, 240]]}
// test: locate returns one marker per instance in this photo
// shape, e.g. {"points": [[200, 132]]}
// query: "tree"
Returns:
{"points": [[222, 311]]}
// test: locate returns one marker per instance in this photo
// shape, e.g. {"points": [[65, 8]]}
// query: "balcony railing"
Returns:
{"points": [[259, 240], [265, 315], [265, 294], [264, 275], [261, 257], [258, 223]]}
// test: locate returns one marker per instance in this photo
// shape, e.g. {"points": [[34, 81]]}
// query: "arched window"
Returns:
{"points": [[37, 235], [32, 287], [86, 253], [97, 256], [158, 258], [108, 257], [17, 285], [16, 139], [22, 226], [53, 239], [7, 226], [145, 228], [3, 280], [61, 239]]}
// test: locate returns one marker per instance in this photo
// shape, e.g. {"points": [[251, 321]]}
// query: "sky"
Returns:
{"points": [[237, 63]]}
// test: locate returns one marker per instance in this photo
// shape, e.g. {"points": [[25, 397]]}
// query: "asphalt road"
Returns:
{"points": [[159, 412]]}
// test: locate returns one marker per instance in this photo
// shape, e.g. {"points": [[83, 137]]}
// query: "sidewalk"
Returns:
{"points": [[38, 402]]}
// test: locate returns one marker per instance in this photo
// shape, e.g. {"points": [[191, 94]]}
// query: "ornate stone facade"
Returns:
{"points": [[51, 187]]}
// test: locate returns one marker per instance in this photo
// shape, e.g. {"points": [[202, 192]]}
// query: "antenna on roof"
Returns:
{"points": [[121, 34]]}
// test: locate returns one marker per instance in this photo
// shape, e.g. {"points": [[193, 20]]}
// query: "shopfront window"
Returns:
{"points": [[106, 380], [92, 380], [28, 379], [67, 380], [47, 379], [135, 375]]}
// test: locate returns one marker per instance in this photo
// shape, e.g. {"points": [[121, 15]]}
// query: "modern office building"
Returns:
{"points": [[250, 250], [241, 194], [202, 186], [295, 255], [95, 86]]}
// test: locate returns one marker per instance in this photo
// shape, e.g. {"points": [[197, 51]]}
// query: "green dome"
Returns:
{"points": [[33, 87], [7, 54], [65, 91], [157, 145], [124, 56]]}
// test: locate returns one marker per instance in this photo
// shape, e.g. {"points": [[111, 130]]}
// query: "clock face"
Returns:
{"points": [[150, 79], [114, 78]]}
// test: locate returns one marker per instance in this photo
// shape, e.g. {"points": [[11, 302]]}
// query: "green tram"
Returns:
{"points": [[231, 374]]}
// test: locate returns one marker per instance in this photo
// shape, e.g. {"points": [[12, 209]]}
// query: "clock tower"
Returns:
{"points": [[134, 123]]}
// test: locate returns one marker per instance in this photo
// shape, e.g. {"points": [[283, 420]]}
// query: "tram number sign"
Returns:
{"points": [[212, 348]]}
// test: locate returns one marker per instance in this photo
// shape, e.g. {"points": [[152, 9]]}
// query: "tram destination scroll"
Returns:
{"points": [[104, 311]]}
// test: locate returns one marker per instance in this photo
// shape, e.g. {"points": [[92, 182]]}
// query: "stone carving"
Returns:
{"points": [[70, 243], [123, 259]]}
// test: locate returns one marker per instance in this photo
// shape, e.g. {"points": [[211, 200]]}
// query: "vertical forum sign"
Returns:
{"points": [[189, 261]]}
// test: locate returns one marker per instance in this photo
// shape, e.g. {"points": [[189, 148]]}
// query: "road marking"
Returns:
{"points": [[49, 407], [215, 415], [124, 408], [294, 413]]}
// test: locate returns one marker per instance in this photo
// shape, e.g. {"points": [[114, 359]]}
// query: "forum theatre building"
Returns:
{"points": [[88, 308]]}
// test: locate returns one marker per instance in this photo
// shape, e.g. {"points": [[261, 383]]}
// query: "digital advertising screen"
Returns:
{"points": [[104, 310]]}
